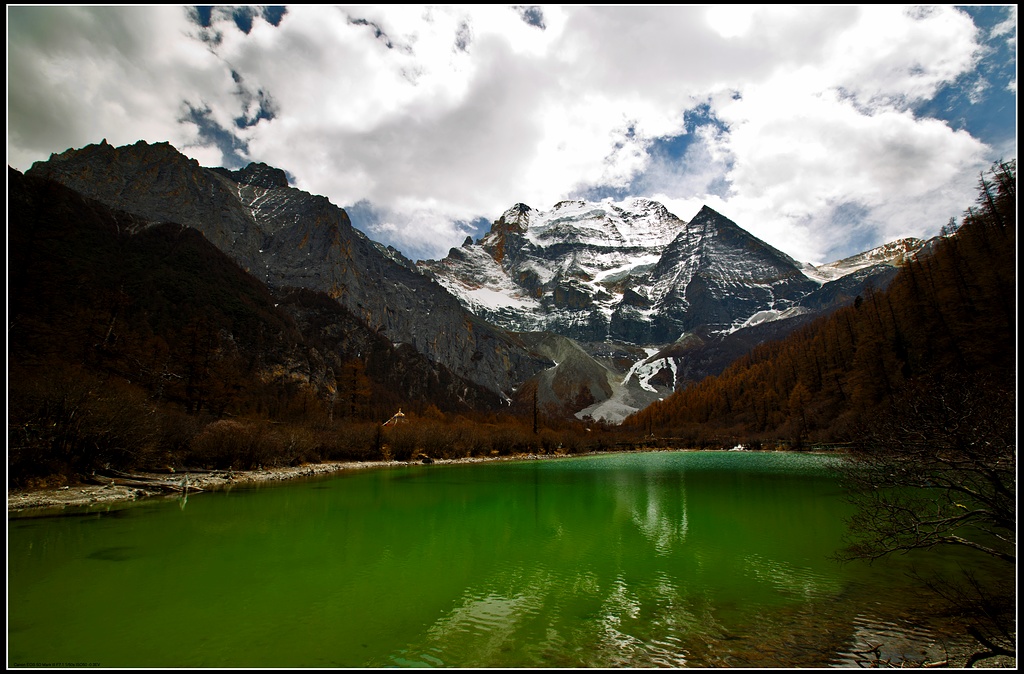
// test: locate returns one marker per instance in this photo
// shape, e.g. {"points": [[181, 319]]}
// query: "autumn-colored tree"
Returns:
{"points": [[354, 389]]}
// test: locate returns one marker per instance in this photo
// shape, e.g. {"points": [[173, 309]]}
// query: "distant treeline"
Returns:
{"points": [[950, 313], [71, 422]]}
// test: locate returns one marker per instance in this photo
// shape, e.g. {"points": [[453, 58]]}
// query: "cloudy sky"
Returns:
{"points": [[825, 131]]}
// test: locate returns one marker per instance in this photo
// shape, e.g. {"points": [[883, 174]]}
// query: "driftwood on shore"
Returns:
{"points": [[119, 479]]}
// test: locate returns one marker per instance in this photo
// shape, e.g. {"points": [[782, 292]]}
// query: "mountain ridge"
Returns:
{"points": [[164, 308], [290, 238], [634, 272], [625, 277]]}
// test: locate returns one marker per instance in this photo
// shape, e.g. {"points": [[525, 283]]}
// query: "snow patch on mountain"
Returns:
{"points": [[496, 300], [634, 391], [768, 316], [649, 369], [894, 253], [633, 223], [484, 288]]}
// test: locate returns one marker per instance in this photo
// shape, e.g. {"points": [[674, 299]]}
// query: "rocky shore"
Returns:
{"points": [[114, 491]]}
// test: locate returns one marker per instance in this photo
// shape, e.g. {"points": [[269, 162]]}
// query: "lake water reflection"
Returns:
{"points": [[655, 559]]}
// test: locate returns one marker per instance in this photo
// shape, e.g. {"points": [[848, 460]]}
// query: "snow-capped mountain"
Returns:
{"points": [[629, 271], [563, 270], [890, 254], [678, 299]]}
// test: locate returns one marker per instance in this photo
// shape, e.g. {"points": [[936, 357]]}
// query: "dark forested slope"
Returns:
{"points": [[950, 312], [118, 327]]}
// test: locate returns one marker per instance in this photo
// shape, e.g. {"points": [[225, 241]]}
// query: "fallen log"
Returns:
{"points": [[143, 482]]}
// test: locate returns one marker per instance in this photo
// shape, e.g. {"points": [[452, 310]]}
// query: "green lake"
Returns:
{"points": [[626, 560]]}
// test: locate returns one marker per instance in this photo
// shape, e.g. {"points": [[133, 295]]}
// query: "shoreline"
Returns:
{"points": [[30, 501], [39, 501]]}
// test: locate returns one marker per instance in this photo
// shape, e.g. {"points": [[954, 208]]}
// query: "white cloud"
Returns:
{"points": [[1007, 26], [834, 136], [440, 115], [898, 52], [418, 230], [80, 74], [844, 156]]}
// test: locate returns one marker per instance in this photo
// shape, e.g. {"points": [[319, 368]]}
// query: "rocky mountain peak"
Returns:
{"points": [[709, 219], [569, 203], [257, 174], [515, 219], [513, 223], [137, 154], [710, 230], [646, 207]]}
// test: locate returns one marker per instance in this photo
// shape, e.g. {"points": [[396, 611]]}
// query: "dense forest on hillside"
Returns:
{"points": [[951, 312]]}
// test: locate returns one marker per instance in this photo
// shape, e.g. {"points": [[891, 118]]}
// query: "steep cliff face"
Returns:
{"points": [[290, 238]]}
